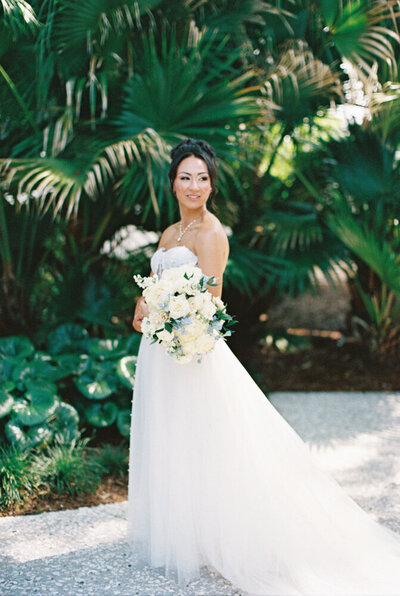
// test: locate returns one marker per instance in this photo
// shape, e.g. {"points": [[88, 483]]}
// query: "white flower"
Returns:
{"points": [[157, 294], [193, 332], [148, 328], [205, 343], [165, 336], [203, 304], [178, 307], [218, 303], [209, 310], [176, 277], [158, 318]]}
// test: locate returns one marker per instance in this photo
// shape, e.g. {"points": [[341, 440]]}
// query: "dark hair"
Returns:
{"points": [[196, 148]]}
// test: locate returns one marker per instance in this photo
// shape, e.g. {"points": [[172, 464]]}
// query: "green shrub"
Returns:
{"points": [[16, 478], [114, 459], [68, 468]]}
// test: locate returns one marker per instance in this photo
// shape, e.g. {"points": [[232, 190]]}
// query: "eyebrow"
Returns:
{"points": [[191, 174]]}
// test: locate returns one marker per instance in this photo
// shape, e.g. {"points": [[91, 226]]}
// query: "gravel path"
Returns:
{"points": [[354, 436]]}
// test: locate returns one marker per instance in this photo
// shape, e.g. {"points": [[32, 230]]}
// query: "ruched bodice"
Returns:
{"points": [[172, 257]]}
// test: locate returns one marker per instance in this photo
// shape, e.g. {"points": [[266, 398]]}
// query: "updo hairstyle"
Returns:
{"points": [[196, 148]]}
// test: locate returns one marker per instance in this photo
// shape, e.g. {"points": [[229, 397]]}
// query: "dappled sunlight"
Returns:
{"points": [[355, 437], [28, 539]]}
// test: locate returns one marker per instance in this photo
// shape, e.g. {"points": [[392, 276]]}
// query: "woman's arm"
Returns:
{"points": [[212, 249], [141, 311]]}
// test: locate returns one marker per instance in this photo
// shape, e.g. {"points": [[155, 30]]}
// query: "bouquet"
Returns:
{"points": [[184, 317]]}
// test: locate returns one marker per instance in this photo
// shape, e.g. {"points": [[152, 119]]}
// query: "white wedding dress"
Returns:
{"points": [[219, 479]]}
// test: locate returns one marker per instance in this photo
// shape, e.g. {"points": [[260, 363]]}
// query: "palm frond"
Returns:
{"points": [[296, 228], [174, 92], [235, 16], [359, 34], [368, 244], [50, 182], [249, 270], [297, 79], [384, 106], [84, 23], [18, 17]]}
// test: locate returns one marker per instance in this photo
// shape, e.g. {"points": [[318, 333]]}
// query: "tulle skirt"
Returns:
{"points": [[219, 479]]}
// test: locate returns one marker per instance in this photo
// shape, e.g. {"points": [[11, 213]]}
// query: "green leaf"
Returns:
{"points": [[34, 436], [126, 369], [69, 364], [6, 403], [124, 422], [38, 406], [7, 366], [7, 386], [41, 385], [106, 348], [67, 338], [32, 371], [66, 422], [17, 346], [101, 415], [77, 22], [330, 10], [93, 388], [369, 246]]}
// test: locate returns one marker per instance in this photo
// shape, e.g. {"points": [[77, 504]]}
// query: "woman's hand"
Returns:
{"points": [[141, 311]]}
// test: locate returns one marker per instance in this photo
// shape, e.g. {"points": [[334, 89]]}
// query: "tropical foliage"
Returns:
{"points": [[94, 94], [78, 383]]}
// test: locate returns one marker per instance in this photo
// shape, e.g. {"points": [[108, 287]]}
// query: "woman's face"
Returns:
{"points": [[192, 184]]}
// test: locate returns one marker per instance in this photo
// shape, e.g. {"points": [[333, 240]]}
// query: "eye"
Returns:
{"points": [[184, 178], [204, 178]]}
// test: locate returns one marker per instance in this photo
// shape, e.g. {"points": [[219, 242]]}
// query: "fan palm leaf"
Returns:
{"points": [[298, 79], [82, 24], [378, 253], [384, 106], [356, 29], [17, 17]]}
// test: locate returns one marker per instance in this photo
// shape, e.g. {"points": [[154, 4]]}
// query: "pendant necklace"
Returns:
{"points": [[182, 231]]}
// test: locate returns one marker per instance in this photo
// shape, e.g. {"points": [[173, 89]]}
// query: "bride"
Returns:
{"points": [[217, 477]]}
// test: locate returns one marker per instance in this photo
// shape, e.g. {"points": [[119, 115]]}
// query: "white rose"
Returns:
{"points": [[218, 303], [157, 294], [209, 310], [205, 343], [203, 304], [165, 335], [193, 331], [178, 307], [158, 318], [196, 302]]}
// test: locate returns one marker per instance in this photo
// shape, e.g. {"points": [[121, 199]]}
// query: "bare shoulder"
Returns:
{"points": [[212, 236], [167, 235]]}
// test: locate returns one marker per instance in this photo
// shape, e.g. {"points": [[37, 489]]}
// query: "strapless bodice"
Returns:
{"points": [[172, 257]]}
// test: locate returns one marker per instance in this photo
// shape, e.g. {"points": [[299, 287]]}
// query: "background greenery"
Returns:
{"points": [[300, 100]]}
